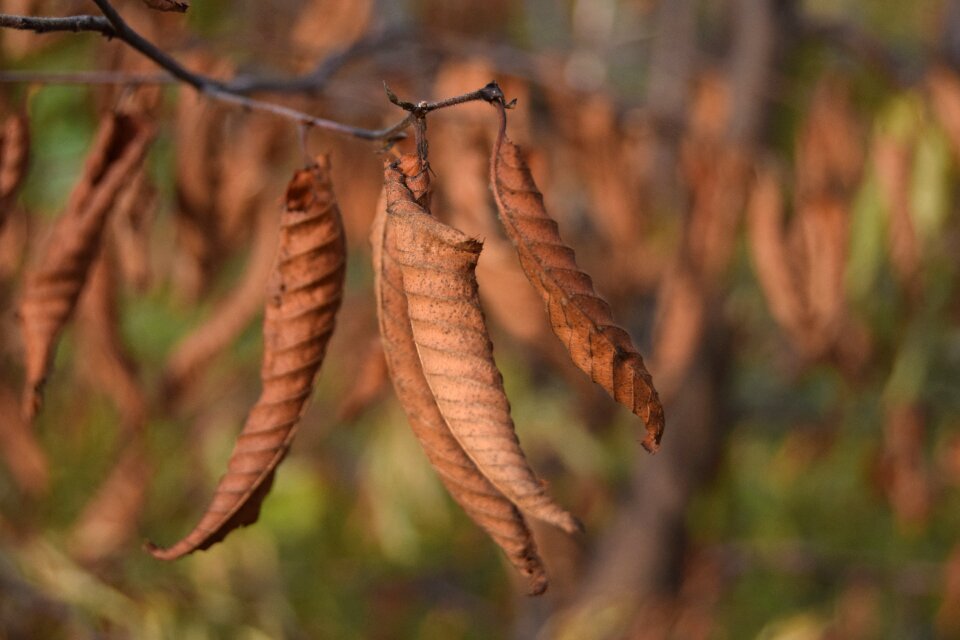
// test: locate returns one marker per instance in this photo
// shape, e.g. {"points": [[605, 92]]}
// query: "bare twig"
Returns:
{"points": [[113, 25], [49, 25], [489, 93]]}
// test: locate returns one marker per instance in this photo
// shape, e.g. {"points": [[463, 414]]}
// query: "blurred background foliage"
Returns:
{"points": [[764, 190]]}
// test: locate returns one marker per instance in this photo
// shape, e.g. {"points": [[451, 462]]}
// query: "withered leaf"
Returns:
{"points": [[14, 158], [580, 318], [231, 316], [478, 497], [110, 519], [438, 265], [167, 5], [20, 449], [53, 286], [780, 282], [303, 297]]}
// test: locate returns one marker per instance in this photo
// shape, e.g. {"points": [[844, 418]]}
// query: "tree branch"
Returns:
{"points": [[75, 24], [113, 25]]}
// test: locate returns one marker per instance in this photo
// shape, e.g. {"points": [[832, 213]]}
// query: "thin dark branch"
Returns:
{"points": [[113, 25], [75, 24], [489, 93], [126, 33]]}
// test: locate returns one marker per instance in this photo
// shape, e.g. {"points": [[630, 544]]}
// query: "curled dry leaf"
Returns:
{"points": [[822, 228], [104, 357], [303, 296], [906, 480], [167, 5], [228, 320], [198, 140], [438, 265], [130, 230], [580, 318], [481, 500], [110, 519], [781, 284], [678, 328], [21, 451], [53, 286], [14, 159]]}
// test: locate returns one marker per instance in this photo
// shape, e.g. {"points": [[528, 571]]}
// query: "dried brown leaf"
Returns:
{"points": [[249, 151], [304, 294], [104, 357], [110, 519], [14, 159], [21, 451], [53, 286], [130, 230], [781, 284], [829, 149], [231, 316], [167, 5], [677, 328], [822, 228], [437, 263], [580, 318], [481, 500], [907, 479], [198, 140]]}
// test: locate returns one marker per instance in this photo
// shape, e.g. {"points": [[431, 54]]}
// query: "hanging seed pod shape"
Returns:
{"points": [[303, 297], [478, 497], [580, 318]]}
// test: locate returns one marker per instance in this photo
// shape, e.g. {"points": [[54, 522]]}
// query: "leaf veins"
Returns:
{"points": [[580, 318], [438, 265], [303, 297], [483, 502]]}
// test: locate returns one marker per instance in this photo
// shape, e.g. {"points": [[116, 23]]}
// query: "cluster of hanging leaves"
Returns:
{"points": [[440, 355], [434, 344], [434, 339]]}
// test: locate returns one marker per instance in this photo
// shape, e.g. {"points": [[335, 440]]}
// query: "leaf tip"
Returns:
{"points": [[160, 553], [538, 584]]}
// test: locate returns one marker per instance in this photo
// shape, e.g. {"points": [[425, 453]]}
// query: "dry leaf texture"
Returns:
{"points": [[52, 288], [481, 500], [580, 318], [438, 265], [304, 294]]}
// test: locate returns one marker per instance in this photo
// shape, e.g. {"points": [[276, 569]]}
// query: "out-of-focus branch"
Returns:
{"points": [[113, 25], [75, 24]]}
